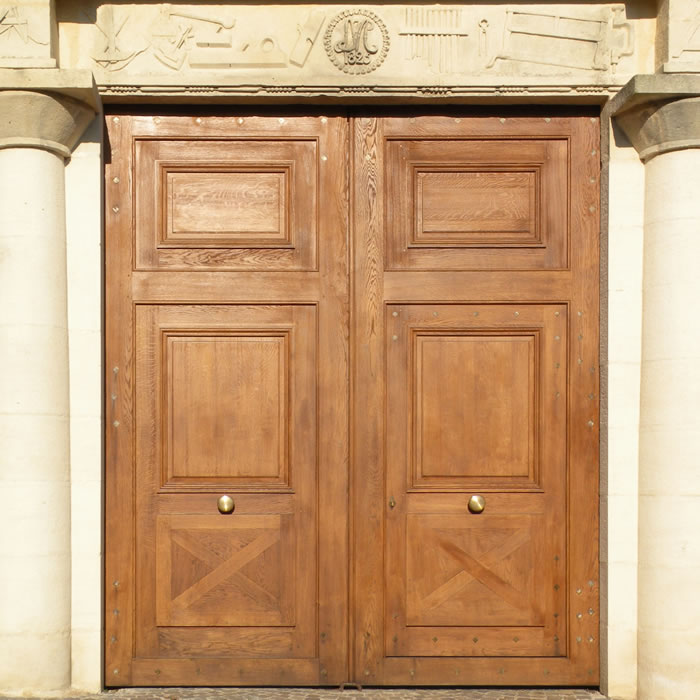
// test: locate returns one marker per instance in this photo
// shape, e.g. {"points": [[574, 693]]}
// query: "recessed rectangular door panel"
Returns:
{"points": [[226, 399], [236, 203], [477, 406], [462, 202]]}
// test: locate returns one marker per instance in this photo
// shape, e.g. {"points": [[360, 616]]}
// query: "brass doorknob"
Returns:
{"points": [[477, 504], [225, 504]]}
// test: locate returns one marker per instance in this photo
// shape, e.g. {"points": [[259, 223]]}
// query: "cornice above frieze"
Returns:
{"points": [[339, 50]]}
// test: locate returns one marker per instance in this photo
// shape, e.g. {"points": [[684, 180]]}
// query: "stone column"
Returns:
{"points": [[37, 132], [661, 116]]}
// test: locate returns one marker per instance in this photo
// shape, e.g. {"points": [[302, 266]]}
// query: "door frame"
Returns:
{"points": [[111, 375]]}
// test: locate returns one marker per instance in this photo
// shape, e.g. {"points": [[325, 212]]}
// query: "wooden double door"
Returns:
{"points": [[374, 341]]}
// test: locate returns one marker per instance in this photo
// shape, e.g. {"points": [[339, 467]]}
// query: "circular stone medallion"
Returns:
{"points": [[356, 41]]}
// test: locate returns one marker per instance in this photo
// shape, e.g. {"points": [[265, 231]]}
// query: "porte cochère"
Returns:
{"points": [[378, 337]]}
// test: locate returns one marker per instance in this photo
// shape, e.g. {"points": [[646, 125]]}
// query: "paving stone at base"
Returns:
{"points": [[347, 694]]}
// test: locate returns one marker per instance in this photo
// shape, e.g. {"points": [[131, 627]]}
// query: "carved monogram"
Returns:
{"points": [[357, 41]]}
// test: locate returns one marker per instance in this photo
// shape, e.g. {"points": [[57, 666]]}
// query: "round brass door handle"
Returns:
{"points": [[477, 504], [225, 504]]}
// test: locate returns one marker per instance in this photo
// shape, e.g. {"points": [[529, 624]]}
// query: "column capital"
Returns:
{"points": [[46, 109], [659, 113]]}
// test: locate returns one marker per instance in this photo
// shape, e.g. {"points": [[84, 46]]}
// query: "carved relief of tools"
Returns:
{"points": [[435, 35], [14, 25], [112, 56], [589, 41], [308, 33]]}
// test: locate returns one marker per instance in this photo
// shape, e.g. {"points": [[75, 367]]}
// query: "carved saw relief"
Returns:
{"points": [[596, 40]]}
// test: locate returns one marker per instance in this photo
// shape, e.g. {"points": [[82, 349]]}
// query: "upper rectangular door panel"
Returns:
{"points": [[460, 203], [234, 204]]}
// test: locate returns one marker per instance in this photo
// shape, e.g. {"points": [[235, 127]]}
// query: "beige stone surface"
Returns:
{"points": [[37, 130], [663, 126], [28, 34], [44, 120], [84, 276], [76, 84], [666, 134], [619, 483]]}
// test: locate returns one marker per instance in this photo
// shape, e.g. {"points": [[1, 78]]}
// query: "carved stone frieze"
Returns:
{"points": [[585, 94], [442, 50]]}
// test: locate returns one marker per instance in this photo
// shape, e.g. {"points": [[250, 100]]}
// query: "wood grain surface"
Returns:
{"points": [[227, 328], [352, 325], [474, 329]]}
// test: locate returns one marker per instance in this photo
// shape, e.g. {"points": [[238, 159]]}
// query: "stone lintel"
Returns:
{"points": [[659, 113], [47, 109]]}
